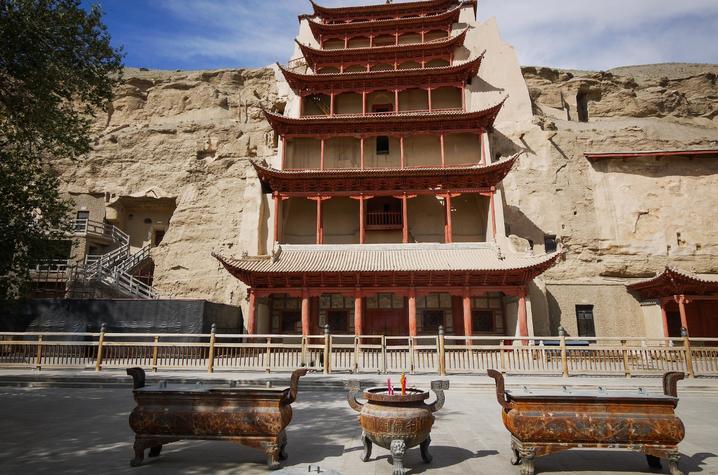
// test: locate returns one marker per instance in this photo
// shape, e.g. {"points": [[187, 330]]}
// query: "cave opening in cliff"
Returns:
{"points": [[582, 106]]}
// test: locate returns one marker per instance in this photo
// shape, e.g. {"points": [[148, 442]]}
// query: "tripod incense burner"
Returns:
{"points": [[396, 422]]}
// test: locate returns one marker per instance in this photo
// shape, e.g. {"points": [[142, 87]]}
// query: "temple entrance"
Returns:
{"points": [[386, 322]]}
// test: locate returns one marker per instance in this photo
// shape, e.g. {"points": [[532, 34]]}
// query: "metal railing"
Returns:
{"points": [[367, 353]]}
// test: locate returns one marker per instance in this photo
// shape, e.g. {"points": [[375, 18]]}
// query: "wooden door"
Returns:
{"points": [[393, 322]]}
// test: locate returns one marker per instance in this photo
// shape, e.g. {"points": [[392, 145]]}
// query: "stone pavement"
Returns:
{"points": [[85, 430]]}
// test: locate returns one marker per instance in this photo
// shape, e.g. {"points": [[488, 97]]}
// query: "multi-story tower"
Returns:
{"points": [[387, 216]]}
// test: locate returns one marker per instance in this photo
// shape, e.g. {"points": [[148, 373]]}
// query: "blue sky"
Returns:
{"points": [[581, 34]]}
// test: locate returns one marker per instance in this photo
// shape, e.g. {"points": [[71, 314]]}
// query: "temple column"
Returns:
{"points": [[664, 315], [346, 41], [404, 219], [682, 308], [305, 311], [412, 312], [443, 150], [277, 210], [331, 104], [463, 97], [252, 313], [401, 148], [301, 106], [363, 103], [362, 221], [396, 101], [485, 156], [492, 205], [321, 154], [361, 153], [523, 316], [358, 313], [423, 36], [283, 147], [482, 159], [448, 231], [371, 41], [429, 96], [468, 324]]}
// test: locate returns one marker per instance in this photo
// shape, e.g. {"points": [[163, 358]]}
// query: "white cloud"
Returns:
{"points": [[584, 34]]}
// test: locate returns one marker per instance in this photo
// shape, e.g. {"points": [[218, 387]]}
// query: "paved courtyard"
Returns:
{"points": [[73, 431]]}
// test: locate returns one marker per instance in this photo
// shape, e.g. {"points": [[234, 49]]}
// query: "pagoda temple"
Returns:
{"points": [[386, 211]]}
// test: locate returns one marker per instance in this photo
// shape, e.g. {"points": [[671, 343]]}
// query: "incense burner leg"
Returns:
{"points": [[139, 448], [673, 459], [516, 459], [283, 446], [654, 462], [367, 447], [155, 451], [398, 449], [425, 455], [272, 452], [527, 461]]}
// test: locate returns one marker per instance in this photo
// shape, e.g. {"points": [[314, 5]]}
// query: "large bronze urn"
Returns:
{"points": [[396, 422]]}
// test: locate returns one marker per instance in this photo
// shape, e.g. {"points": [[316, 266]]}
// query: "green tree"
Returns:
{"points": [[57, 70]]}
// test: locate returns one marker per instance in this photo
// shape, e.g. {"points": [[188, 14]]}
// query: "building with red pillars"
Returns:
{"points": [[386, 207]]}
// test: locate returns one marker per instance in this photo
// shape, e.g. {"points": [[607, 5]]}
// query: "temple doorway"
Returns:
{"points": [[386, 322]]}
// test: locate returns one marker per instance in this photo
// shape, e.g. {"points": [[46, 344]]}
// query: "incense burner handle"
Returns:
{"points": [[294, 384], [353, 388], [438, 387], [670, 383], [138, 377], [500, 392]]}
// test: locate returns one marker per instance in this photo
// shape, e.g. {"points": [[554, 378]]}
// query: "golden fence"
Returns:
{"points": [[566, 356]]}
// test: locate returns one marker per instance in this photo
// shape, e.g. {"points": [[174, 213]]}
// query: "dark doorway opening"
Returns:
{"points": [[582, 106]]}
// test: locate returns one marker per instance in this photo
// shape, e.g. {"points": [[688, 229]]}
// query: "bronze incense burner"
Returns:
{"points": [[396, 422], [545, 422], [255, 417]]}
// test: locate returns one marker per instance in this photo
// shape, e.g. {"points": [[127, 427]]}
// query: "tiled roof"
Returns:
{"points": [[595, 156], [387, 258], [321, 27], [386, 8], [674, 281]]}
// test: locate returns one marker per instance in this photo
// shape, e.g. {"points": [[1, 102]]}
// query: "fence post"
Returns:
{"points": [[304, 351], [411, 355], [626, 367], [356, 354], [100, 348], [38, 357], [502, 357], [268, 355], [688, 353], [155, 351], [210, 357], [327, 350], [442, 354], [383, 354], [564, 358]]}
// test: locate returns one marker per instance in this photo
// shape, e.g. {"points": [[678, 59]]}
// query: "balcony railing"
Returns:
{"points": [[384, 220]]}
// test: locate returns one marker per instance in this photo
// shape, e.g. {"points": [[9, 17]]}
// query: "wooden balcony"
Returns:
{"points": [[383, 220]]}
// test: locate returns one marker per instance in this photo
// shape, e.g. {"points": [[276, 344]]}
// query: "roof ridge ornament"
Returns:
{"points": [[276, 251]]}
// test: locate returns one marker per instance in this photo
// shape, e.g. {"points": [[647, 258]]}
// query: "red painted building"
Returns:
{"points": [[387, 214]]}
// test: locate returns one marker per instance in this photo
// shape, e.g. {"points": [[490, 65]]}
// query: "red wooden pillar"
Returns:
{"points": [[429, 95], [252, 317], [371, 41], [361, 153], [396, 101], [321, 154], [362, 221], [363, 103], [283, 146], [346, 41], [331, 104], [463, 97], [401, 148], [305, 310], [396, 38], [277, 210], [523, 316], [468, 324], [412, 312], [404, 219], [682, 310], [485, 160], [443, 150], [358, 313], [448, 231], [320, 222], [423, 36], [664, 314], [301, 106], [493, 212]]}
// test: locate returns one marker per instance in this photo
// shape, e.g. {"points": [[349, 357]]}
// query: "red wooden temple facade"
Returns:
{"points": [[385, 192], [688, 301]]}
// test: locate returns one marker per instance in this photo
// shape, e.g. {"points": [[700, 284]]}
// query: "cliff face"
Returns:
{"points": [[188, 135], [620, 217]]}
